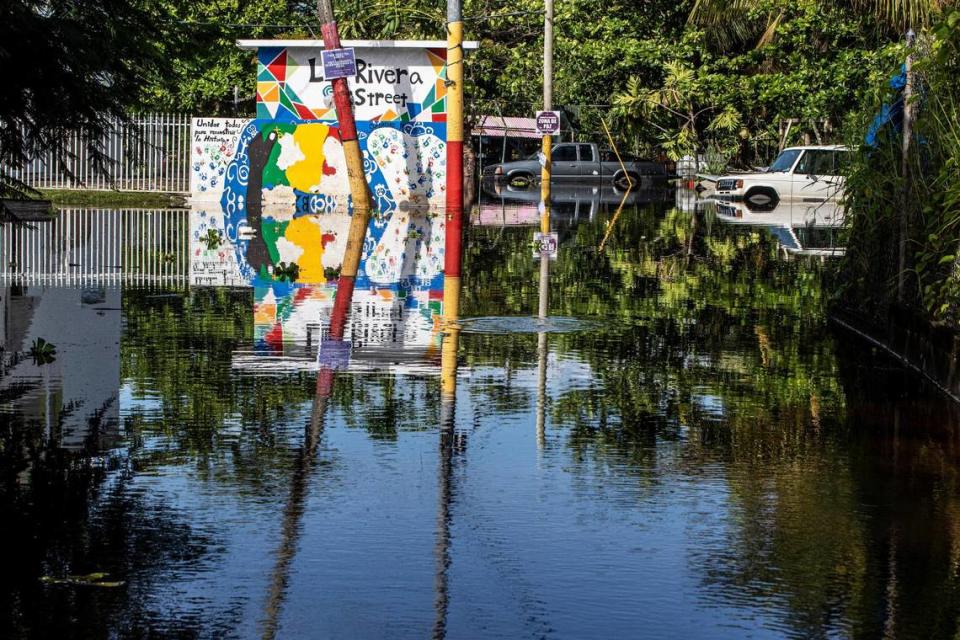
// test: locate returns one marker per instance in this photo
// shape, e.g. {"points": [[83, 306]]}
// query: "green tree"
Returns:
{"points": [[71, 65]]}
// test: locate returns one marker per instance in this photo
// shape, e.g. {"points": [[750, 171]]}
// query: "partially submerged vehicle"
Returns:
{"points": [[580, 161], [801, 174]]}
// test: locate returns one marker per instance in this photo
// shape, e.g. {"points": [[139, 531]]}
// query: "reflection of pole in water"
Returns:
{"points": [[542, 310], [293, 512], [441, 552], [451, 301], [448, 399], [334, 353], [541, 388]]}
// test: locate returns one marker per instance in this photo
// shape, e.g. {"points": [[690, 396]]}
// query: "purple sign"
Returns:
{"points": [[338, 63], [548, 123]]}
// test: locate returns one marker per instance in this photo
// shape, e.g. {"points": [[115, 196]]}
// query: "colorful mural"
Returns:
{"points": [[401, 82], [213, 143], [404, 248], [214, 260], [280, 179]]}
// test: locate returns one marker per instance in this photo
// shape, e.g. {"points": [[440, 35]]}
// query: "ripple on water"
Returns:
{"points": [[526, 324]]}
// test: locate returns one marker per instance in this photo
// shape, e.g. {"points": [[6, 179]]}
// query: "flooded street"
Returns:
{"points": [[685, 448]]}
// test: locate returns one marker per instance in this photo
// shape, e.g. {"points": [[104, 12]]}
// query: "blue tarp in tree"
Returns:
{"points": [[891, 114]]}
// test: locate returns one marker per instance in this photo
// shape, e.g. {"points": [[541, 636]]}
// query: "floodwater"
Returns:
{"points": [[685, 448]]}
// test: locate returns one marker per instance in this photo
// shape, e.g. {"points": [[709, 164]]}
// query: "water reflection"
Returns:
{"points": [[801, 228], [690, 453], [505, 204], [72, 393], [393, 327]]}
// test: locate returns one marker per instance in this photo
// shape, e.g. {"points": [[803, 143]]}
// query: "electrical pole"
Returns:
{"points": [[452, 260], [547, 148], [547, 106], [544, 283], [359, 192]]}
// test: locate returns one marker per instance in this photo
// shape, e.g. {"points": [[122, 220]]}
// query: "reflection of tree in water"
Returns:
{"points": [[710, 350], [180, 347], [68, 513], [847, 524], [734, 322]]}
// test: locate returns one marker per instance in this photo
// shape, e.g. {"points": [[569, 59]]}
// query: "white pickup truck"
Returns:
{"points": [[799, 174]]}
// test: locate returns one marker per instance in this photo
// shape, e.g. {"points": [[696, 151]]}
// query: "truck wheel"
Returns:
{"points": [[762, 198], [623, 180], [521, 179]]}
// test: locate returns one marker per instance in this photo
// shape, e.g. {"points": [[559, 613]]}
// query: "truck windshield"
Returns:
{"points": [[784, 161]]}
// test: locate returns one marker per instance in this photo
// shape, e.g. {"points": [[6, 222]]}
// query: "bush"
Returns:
{"points": [[875, 196]]}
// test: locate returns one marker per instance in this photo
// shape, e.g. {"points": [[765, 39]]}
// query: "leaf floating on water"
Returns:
{"points": [[95, 579]]}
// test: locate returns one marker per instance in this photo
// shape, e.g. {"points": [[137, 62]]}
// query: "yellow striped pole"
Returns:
{"points": [[545, 174], [453, 258]]}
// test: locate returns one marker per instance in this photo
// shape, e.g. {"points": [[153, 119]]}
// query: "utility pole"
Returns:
{"points": [[359, 191], [547, 106], [451, 303], [543, 289], [547, 148], [905, 167], [454, 199]]}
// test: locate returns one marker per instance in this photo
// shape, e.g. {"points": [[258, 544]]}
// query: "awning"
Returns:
{"points": [[509, 127], [357, 44]]}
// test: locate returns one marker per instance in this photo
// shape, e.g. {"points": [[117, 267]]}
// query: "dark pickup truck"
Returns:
{"points": [[580, 161]]}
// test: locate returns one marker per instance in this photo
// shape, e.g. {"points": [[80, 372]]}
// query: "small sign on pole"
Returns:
{"points": [[545, 244], [548, 123], [339, 63]]}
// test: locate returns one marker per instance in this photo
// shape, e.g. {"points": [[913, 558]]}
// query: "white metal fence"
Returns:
{"points": [[103, 246], [151, 152]]}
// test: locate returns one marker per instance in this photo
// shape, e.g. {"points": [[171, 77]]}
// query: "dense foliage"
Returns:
{"points": [[926, 200], [813, 64], [671, 79], [718, 75], [72, 64]]}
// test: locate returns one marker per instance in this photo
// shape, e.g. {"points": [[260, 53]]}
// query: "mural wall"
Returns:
{"points": [[213, 144], [273, 191], [395, 306]]}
